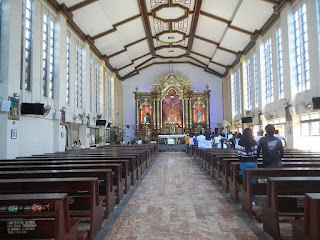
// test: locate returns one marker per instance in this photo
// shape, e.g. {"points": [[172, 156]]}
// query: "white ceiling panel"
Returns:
{"points": [[147, 63], [201, 59], [221, 8], [138, 49], [141, 60], [260, 12], [131, 31], [210, 29], [109, 44], [224, 57], [120, 60], [203, 47], [238, 45], [126, 71], [98, 20], [118, 11], [217, 68]]}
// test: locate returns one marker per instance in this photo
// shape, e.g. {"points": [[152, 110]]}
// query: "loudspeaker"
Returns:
{"points": [[246, 120], [32, 108], [316, 102], [57, 116], [5, 106], [292, 111], [101, 122], [262, 118], [109, 125]]}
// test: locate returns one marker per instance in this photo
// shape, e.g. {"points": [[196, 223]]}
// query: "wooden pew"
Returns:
{"points": [[235, 181], [260, 188], [104, 176], [226, 168], [309, 228], [54, 223], [53, 161], [283, 197], [115, 168], [83, 195]]}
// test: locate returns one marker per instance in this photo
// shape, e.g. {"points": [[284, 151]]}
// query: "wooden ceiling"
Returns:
{"points": [[131, 35]]}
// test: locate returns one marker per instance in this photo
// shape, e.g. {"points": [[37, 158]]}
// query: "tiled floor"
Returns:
{"points": [[176, 200]]}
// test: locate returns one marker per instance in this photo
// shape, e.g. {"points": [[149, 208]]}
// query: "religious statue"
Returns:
{"points": [[198, 117], [146, 117]]}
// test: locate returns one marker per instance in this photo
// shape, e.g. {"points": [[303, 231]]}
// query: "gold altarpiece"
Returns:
{"points": [[172, 107]]}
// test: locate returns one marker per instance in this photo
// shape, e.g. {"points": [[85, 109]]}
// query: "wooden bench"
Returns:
{"points": [[115, 168], [235, 181], [83, 195], [284, 194], [54, 223], [104, 176], [125, 165], [309, 228], [259, 188]]}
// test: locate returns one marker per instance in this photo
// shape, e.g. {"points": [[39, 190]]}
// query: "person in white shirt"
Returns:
{"points": [[260, 135], [201, 138], [191, 141], [139, 141], [281, 138], [207, 141], [123, 142]]}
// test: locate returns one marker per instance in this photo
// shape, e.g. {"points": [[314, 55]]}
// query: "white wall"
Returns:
{"points": [[145, 79]]}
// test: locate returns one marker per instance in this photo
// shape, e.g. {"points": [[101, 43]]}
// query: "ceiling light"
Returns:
{"points": [[170, 51], [171, 37]]}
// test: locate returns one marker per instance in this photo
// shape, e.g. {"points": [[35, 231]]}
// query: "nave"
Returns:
{"points": [[177, 200]]}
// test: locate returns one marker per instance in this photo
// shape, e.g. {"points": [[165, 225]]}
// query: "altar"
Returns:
{"points": [[171, 139], [171, 109]]}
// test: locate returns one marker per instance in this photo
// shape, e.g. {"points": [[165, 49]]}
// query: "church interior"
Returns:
{"points": [[98, 99]]}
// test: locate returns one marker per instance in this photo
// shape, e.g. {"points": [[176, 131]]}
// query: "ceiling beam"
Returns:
{"points": [[219, 64], [201, 55], [81, 5], [194, 24], [207, 40], [214, 17], [142, 56], [274, 2], [128, 65], [241, 30], [135, 42], [126, 20], [146, 24]]}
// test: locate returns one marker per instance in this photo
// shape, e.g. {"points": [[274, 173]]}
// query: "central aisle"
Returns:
{"points": [[176, 200]]}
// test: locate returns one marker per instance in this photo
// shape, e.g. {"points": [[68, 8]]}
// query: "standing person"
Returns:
{"points": [[236, 140], [122, 142], [191, 141], [201, 139], [247, 151], [207, 142], [281, 138], [195, 140], [260, 135], [272, 149], [139, 141], [186, 139]]}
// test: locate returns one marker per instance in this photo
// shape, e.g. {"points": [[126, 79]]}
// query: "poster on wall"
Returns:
{"points": [[14, 113]]}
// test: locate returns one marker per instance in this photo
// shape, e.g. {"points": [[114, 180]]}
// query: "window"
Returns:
{"points": [[280, 64], [109, 95], [310, 124], [301, 49], [268, 70], [78, 82], [28, 44], [0, 18], [91, 76], [249, 84], [97, 83], [47, 56], [45, 34], [51, 59], [68, 70], [255, 75], [236, 92], [239, 90]]}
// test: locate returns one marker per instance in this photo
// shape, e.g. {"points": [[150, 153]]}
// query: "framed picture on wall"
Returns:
{"points": [[14, 133], [14, 113]]}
